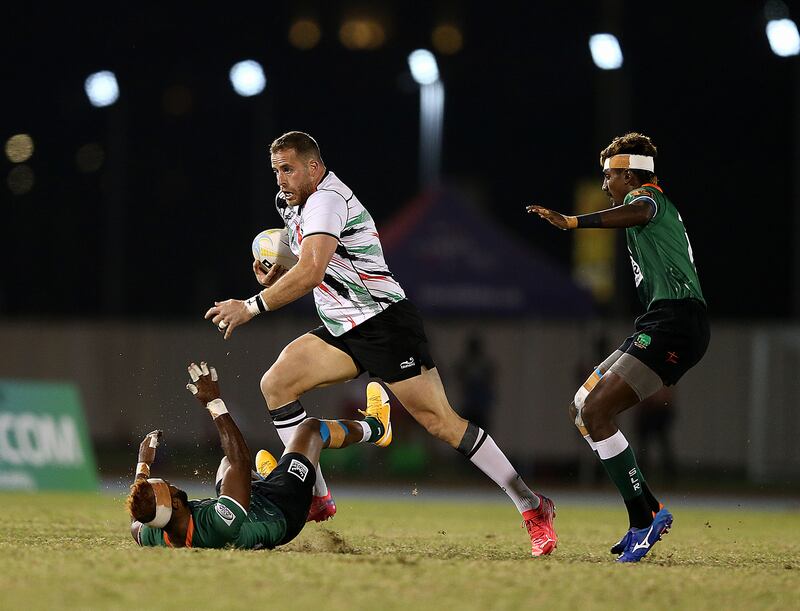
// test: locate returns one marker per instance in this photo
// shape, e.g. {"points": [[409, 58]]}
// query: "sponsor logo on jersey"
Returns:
{"points": [[642, 341], [298, 469], [226, 514], [407, 364], [637, 271], [672, 357]]}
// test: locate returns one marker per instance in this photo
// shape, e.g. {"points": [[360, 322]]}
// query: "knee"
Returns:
{"points": [[278, 386], [268, 383], [593, 414], [573, 412]]}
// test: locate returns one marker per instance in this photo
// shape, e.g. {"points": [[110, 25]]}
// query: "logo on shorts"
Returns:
{"points": [[642, 341], [225, 513], [298, 469], [672, 357], [407, 364]]}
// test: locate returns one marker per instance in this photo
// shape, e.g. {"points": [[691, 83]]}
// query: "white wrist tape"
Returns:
{"points": [[142, 467], [216, 407], [256, 305]]}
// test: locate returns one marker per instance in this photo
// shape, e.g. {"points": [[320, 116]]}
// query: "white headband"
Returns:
{"points": [[630, 162], [163, 503]]}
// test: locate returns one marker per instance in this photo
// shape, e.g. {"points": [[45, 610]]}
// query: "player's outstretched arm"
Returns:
{"points": [[316, 253], [147, 453], [236, 481], [619, 217]]}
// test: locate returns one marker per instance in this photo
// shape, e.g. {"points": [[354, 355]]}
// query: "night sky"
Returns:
{"points": [[164, 225]]}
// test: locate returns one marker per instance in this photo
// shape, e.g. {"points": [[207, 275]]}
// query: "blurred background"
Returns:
{"points": [[136, 172]]}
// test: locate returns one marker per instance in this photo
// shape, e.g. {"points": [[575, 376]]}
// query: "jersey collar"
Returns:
{"points": [[189, 533], [655, 186]]}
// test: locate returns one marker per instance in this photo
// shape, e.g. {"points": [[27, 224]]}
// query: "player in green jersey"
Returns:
{"points": [[250, 511], [670, 337]]}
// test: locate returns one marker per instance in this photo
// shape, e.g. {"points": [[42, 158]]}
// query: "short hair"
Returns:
{"points": [[632, 143], [301, 142], [141, 502]]}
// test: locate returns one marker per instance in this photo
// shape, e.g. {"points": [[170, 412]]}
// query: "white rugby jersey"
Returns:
{"points": [[357, 284]]}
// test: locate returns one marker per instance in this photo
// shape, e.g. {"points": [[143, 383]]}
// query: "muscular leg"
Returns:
{"points": [[611, 396], [314, 435], [424, 398], [306, 363]]}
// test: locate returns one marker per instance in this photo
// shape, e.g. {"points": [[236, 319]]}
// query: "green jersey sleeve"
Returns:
{"points": [[217, 523], [151, 537]]}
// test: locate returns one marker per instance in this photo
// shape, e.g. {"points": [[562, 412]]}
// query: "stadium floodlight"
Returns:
{"points": [[423, 67], [425, 71], [101, 88], [247, 78], [784, 40], [606, 52]]}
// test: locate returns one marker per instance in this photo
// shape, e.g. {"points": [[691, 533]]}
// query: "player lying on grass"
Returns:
{"points": [[251, 511], [670, 337]]}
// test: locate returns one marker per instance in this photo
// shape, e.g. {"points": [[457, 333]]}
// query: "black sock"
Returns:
{"points": [[639, 513], [652, 501]]}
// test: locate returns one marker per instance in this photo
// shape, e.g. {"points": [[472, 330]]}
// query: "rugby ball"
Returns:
{"points": [[271, 247]]}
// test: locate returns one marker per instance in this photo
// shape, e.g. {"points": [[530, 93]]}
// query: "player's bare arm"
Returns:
{"points": [[315, 255], [205, 387], [145, 459], [147, 453], [619, 217]]}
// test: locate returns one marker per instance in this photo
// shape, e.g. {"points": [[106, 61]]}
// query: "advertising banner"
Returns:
{"points": [[44, 444]]}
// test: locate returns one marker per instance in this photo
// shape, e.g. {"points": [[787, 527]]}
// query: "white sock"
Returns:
{"points": [[491, 460], [367, 431], [611, 447], [286, 425]]}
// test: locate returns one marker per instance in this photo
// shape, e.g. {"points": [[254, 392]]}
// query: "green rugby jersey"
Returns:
{"points": [[222, 521], [661, 255]]}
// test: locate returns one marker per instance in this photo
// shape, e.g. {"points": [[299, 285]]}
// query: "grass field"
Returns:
{"points": [[75, 551]]}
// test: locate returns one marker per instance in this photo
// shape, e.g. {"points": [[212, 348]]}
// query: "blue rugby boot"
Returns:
{"points": [[641, 540]]}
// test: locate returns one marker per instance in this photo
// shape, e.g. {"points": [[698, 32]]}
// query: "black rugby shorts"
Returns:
{"points": [[671, 337], [391, 345]]}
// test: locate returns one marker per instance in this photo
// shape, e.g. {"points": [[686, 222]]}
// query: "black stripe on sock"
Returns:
{"points": [[290, 423], [478, 445], [287, 412], [472, 440]]}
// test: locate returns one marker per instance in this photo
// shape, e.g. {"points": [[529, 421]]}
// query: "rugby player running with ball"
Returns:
{"points": [[670, 337], [368, 325]]}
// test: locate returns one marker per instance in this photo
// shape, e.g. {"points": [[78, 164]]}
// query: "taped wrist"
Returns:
{"points": [[216, 408], [589, 220], [255, 305], [142, 468]]}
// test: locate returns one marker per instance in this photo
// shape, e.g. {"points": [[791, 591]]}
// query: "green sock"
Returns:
{"points": [[625, 474], [628, 479], [375, 427]]}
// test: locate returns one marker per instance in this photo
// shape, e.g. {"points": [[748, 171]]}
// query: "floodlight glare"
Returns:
{"points": [[423, 67], [101, 88], [783, 37], [247, 78], [606, 52]]}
